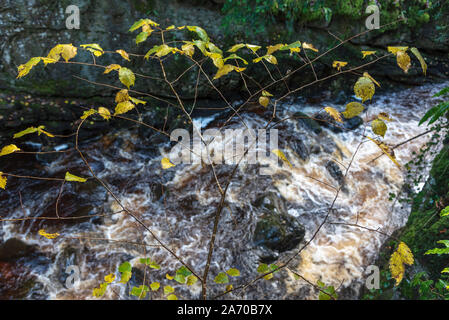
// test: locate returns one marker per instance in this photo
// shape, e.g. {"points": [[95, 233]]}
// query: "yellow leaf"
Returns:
{"points": [[405, 253], [353, 109], [126, 77], [172, 297], [253, 47], [367, 75], [271, 49], [68, 52], [8, 149], [170, 27], [268, 276], [2, 181], [48, 235], [264, 101], [385, 149], [111, 67], [224, 70], [282, 156], [396, 267], [94, 48], [236, 47], [217, 59], [142, 23], [169, 277], [309, 46], [88, 113], [403, 60], [395, 50], [188, 49], [123, 53], [24, 132], [104, 112], [122, 96], [367, 53], [72, 177], [421, 59], [339, 64], [384, 116], [266, 93], [40, 130], [137, 101], [165, 162], [379, 127], [123, 107], [24, 69], [229, 287], [364, 88], [109, 278], [168, 289], [99, 292], [334, 114], [271, 59], [191, 280], [155, 286], [163, 50]]}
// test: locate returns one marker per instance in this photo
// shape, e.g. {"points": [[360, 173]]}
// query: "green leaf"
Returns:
{"points": [[221, 278], [233, 272], [445, 270], [184, 271], [140, 292], [234, 56], [141, 37], [444, 212], [180, 278], [151, 263], [440, 250], [328, 294], [72, 177], [126, 76], [263, 268], [442, 92], [125, 269], [428, 114], [442, 109]]}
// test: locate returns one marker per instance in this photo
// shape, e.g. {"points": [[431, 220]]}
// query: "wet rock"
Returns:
{"points": [[16, 281], [353, 123], [308, 122], [276, 229], [299, 148], [335, 172], [14, 248]]}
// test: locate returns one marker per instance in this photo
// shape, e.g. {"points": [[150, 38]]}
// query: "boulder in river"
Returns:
{"points": [[276, 229]]}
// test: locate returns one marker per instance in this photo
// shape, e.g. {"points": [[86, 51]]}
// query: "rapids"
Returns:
{"points": [[179, 205]]}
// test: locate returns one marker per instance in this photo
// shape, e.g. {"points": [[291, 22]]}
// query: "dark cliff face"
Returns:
{"points": [[32, 28]]}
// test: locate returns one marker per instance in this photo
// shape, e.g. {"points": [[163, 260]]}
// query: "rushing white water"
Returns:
{"points": [[183, 216]]}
